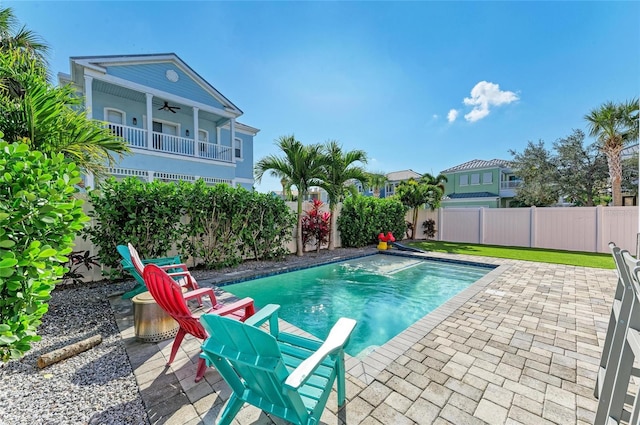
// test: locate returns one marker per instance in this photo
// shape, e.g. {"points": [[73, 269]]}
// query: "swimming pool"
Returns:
{"points": [[384, 293]]}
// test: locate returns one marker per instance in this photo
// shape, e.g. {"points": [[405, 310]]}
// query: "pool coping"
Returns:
{"points": [[366, 368]]}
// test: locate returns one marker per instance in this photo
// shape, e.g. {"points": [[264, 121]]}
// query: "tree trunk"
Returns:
{"points": [[332, 224], [616, 189], [415, 223], [299, 247]]}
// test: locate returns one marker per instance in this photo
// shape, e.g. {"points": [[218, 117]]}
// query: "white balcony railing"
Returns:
{"points": [[512, 184], [137, 137]]}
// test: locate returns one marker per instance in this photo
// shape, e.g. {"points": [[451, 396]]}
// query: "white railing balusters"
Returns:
{"points": [[137, 137]]}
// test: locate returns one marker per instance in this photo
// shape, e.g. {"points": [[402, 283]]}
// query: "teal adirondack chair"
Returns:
{"points": [[256, 365], [128, 266]]}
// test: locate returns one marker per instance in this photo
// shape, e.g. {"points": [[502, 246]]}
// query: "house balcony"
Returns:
{"points": [[140, 138], [508, 188]]}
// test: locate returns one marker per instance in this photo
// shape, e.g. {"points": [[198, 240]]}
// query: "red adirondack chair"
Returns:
{"points": [[168, 294], [183, 277]]}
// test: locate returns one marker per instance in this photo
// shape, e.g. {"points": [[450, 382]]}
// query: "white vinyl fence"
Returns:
{"points": [[588, 229]]}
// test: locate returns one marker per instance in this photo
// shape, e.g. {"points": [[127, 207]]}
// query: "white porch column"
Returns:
{"points": [[196, 133], [149, 120], [88, 95], [219, 150], [232, 133]]}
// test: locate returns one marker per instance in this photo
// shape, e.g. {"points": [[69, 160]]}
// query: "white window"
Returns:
{"points": [[464, 180], [116, 118], [475, 178], [487, 178], [237, 148], [390, 189]]}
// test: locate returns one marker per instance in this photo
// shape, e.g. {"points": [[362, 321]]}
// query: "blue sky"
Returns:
{"points": [[419, 85]]}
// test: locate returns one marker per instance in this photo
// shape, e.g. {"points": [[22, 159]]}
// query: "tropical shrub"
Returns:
{"points": [[316, 225], [225, 225], [39, 219], [145, 214], [216, 226], [362, 218], [79, 260], [429, 226]]}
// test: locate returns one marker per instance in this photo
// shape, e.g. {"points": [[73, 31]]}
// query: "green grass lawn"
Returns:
{"points": [[585, 259]]}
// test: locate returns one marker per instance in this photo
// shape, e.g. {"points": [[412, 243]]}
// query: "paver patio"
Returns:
{"points": [[519, 347]]}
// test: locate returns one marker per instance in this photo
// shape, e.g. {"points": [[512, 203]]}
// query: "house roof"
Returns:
{"points": [[479, 163], [403, 175], [472, 195], [98, 63]]}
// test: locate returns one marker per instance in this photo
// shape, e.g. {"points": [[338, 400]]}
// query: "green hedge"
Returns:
{"points": [[363, 218], [39, 219], [216, 226]]}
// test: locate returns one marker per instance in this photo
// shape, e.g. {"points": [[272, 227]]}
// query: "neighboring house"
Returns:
{"points": [[317, 193], [393, 180], [480, 183], [314, 192], [177, 125]]}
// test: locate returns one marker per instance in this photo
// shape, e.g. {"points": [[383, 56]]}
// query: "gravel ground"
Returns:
{"points": [[98, 385]]}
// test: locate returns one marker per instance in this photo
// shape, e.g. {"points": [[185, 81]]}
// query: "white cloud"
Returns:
{"points": [[435, 116], [485, 95], [452, 115]]}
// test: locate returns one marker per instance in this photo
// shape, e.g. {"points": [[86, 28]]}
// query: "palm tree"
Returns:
{"points": [[340, 168], [415, 193], [438, 180], [614, 126], [286, 188], [48, 118], [376, 180], [14, 37], [302, 165]]}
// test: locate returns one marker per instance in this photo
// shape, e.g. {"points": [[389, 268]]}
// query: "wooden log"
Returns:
{"points": [[68, 351]]}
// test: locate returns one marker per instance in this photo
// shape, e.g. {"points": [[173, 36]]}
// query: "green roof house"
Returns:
{"points": [[480, 183]]}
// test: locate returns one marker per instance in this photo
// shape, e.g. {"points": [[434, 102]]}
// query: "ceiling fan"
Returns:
{"points": [[167, 107]]}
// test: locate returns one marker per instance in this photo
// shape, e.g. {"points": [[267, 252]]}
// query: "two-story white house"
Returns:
{"points": [[177, 125]]}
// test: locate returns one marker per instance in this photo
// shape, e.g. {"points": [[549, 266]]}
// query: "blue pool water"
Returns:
{"points": [[386, 294]]}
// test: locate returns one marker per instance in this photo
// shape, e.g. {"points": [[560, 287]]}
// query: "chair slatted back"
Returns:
{"points": [[126, 256], [250, 360], [622, 343], [135, 259], [168, 294]]}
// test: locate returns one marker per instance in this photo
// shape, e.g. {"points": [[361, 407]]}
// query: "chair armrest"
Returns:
{"points": [[337, 339], [180, 266], [184, 274], [243, 304], [268, 312], [196, 293], [161, 260]]}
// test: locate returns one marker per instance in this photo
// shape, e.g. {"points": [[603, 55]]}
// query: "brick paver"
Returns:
{"points": [[520, 347]]}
